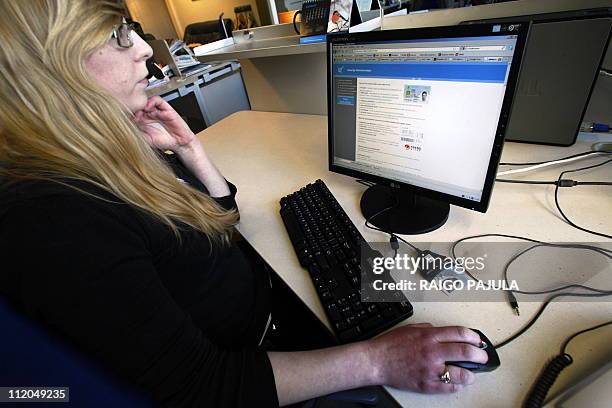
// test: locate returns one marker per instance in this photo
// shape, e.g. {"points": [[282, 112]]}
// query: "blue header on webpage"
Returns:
{"points": [[449, 39], [437, 71]]}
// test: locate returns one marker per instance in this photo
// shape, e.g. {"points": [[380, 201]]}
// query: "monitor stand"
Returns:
{"points": [[410, 213]]}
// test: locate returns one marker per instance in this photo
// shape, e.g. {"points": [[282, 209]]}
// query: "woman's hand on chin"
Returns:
{"points": [[163, 128]]}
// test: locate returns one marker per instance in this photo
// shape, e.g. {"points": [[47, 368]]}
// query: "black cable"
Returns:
{"points": [[514, 303], [454, 255], [570, 338], [512, 299], [392, 235], [560, 183], [589, 152], [525, 181], [533, 320], [605, 252], [601, 234], [527, 326], [594, 183], [418, 250], [552, 370], [546, 379]]}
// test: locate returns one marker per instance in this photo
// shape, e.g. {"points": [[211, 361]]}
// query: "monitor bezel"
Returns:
{"points": [[520, 29]]}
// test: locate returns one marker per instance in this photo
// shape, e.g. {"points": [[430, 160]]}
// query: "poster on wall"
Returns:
{"points": [[339, 16]]}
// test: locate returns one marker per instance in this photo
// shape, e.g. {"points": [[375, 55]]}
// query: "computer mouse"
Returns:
{"points": [[490, 365]]}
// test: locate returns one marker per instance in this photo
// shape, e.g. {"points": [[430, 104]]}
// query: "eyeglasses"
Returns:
{"points": [[122, 33]]}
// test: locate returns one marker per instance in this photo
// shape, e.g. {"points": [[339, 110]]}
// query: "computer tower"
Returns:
{"points": [[562, 58]]}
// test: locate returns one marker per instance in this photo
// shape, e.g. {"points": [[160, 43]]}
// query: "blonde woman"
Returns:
{"points": [[124, 251]]}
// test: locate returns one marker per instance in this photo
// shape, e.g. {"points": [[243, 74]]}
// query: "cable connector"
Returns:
{"points": [[567, 183], [394, 242], [595, 127], [513, 302]]}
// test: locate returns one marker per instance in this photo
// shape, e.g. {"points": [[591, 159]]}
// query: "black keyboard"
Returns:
{"points": [[329, 245]]}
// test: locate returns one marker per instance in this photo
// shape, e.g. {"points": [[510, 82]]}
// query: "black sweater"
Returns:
{"points": [[180, 320]]}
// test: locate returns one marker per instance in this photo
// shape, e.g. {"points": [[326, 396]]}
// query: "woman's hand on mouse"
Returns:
{"points": [[163, 127], [413, 357]]}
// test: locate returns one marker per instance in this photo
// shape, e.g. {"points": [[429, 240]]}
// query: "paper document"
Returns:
{"points": [[206, 48]]}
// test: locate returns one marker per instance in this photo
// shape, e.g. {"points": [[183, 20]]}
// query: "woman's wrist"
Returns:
{"points": [[191, 151], [373, 362], [194, 157]]}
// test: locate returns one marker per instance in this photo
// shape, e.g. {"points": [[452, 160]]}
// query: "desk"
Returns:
{"points": [[274, 154], [269, 47], [210, 89], [280, 74]]}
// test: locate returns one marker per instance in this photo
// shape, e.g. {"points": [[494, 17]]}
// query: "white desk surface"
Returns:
{"points": [[269, 47], [269, 155]]}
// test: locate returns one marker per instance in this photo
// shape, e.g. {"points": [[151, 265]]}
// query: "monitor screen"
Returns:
{"points": [[423, 112]]}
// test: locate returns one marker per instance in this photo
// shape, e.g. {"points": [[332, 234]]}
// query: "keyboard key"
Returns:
{"points": [[321, 260], [314, 270], [350, 334], [310, 259], [388, 313], [351, 321], [330, 257], [340, 325], [404, 307], [340, 255], [362, 315], [372, 322], [334, 313], [372, 309]]}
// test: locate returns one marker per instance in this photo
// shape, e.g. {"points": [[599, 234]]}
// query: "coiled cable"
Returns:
{"points": [[551, 371], [547, 378]]}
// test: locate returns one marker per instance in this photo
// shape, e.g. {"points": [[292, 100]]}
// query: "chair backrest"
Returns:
{"points": [[31, 357], [207, 31]]}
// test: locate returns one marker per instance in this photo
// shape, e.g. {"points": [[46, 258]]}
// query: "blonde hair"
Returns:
{"points": [[55, 122]]}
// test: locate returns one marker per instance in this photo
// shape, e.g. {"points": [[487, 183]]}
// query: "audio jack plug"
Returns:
{"points": [[513, 303]]}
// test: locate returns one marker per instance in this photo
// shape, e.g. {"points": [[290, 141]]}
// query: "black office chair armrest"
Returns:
{"points": [[365, 395]]}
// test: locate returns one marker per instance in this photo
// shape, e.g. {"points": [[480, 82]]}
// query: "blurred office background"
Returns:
{"points": [[169, 18]]}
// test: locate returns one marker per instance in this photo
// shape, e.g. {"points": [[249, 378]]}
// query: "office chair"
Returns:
{"points": [[207, 31], [32, 358]]}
